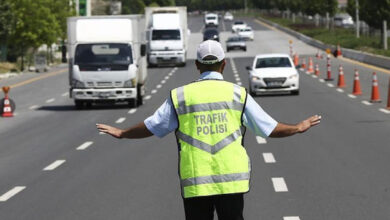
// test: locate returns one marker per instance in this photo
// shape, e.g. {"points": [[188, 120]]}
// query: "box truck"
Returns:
{"points": [[167, 35], [107, 59]]}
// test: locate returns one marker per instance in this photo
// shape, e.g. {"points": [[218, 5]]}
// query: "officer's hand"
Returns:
{"points": [[115, 132], [310, 122]]}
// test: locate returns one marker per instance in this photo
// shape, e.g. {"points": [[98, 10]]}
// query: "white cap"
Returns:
{"points": [[210, 48]]}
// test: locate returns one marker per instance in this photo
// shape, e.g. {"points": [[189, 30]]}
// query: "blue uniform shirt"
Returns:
{"points": [[164, 120]]}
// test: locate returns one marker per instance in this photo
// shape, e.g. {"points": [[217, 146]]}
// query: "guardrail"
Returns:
{"points": [[376, 60]]}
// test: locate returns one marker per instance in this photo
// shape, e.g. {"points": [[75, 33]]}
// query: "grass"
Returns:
{"points": [[6, 67], [345, 37]]}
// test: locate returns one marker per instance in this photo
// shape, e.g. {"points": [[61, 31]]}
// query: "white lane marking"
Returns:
{"points": [[153, 91], [163, 81], [321, 80], [158, 86], [65, 94], [314, 76], [330, 85], [34, 107], [291, 218], [50, 100], [351, 96], [54, 165], [239, 83], [236, 75], [11, 193], [170, 74], [132, 111], [279, 184], [366, 102], [167, 77], [174, 69], [101, 133], [120, 120], [384, 110], [261, 140], [269, 158], [148, 97], [85, 145], [340, 90], [238, 79]]}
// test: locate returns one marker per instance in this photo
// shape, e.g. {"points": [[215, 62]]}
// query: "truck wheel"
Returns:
{"points": [[133, 103], [295, 92], [183, 64], [79, 104]]}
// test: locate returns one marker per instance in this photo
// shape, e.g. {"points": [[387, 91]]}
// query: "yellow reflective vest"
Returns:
{"points": [[210, 135]]}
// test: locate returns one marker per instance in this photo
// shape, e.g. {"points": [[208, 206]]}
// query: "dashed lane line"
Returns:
{"points": [[85, 145], [33, 107], [54, 165], [132, 111], [158, 86], [148, 97], [340, 90], [50, 100], [384, 110], [330, 85], [163, 81], [65, 94], [351, 96], [279, 184], [291, 218], [120, 120], [366, 102], [261, 140], [11, 193], [153, 91], [321, 80], [314, 76], [239, 83], [269, 158], [167, 77]]}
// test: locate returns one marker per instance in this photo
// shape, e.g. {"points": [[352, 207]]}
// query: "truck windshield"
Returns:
{"points": [[94, 57], [273, 62], [166, 35]]}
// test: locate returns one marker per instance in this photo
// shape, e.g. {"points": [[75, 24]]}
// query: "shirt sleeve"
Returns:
{"points": [[256, 119], [163, 121]]}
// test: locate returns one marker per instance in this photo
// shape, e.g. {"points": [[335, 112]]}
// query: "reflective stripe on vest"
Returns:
{"points": [[215, 179]]}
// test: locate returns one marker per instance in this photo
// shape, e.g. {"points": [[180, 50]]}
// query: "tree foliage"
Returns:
{"points": [[372, 13]]}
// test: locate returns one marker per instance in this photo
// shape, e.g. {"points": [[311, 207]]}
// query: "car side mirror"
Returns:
{"points": [[143, 50], [248, 68]]}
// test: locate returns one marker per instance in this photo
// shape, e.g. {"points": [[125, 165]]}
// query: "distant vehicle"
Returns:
{"points": [[236, 42], [167, 35], [246, 33], [106, 59], [238, 25], [211, 34], [273, 73], [343, 20], [211, 19], [228, 16]]}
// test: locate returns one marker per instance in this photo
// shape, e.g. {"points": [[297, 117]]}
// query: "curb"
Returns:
{"points": [[368, 58]]}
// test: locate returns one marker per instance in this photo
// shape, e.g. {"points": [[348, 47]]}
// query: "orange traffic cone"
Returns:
{"points": [[388, 97], [310, 68], [318, 55], [7, 110], [338, 52], [303, 67], [375, 89], [317, 71], [356, 84], [341, 81], [329, 69], [296, 59]]}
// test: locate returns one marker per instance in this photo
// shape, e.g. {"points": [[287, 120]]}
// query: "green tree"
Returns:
{"points": [[5, 26], [133, 6]]}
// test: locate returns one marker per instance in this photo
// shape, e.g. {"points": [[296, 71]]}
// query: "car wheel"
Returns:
{"points": [[227, 50], [79, 104], [133, 103], [245, 49], [295, 92]]}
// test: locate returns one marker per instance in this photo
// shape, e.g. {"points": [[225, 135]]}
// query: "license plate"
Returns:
{"points": [[104, 94], [274, 84]]}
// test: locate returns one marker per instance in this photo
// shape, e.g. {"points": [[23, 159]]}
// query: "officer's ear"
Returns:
{"points": [[197, 64], [222, 67]]}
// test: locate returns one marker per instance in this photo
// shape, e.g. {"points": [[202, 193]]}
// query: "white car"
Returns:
{"points": [[246, 33], [228, 16], [273, 73], [238, 25], [211, 19]]}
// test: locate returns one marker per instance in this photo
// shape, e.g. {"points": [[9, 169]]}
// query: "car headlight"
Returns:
{"points": [[130, 83], [256, 78], [77, 84], [293, 76]]}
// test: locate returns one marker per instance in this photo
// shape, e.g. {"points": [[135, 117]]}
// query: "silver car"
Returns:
{"points": [[235, 43]]}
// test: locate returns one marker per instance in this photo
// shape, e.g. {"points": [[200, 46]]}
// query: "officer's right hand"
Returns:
{"points": [[115, 132]]}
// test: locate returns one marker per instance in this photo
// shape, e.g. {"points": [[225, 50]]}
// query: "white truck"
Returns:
{"points": [[107, 61], [167, 35]]}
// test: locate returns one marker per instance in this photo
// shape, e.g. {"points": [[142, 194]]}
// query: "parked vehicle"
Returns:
{"points": [[228, 16], [238, 25], [167, 35], [211, 19], [273, 73], [246, 33], [211, 34], [106, 59], [234, 43], [343, 20]]}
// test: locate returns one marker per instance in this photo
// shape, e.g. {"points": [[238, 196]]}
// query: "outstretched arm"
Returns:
{"points": [[135, 132], [285, 130]]}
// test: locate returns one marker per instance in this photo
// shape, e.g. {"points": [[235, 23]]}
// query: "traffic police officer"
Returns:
{"points": [[209, 116]]}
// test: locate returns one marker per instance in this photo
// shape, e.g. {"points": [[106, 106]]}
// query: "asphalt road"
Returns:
{"points": [[337, 170]]}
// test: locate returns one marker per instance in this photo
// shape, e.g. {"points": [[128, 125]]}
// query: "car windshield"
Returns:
{"points": [[228, 14], [211, 32], [239, 22], [273, 62], [166, 35], [235, 39], [110, 56], [211, 18]]}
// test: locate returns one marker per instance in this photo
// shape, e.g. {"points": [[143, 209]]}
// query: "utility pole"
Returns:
{"points": [[357, 19], [385, 35], [246, 6]]}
